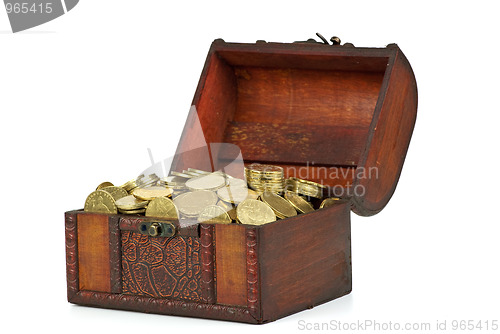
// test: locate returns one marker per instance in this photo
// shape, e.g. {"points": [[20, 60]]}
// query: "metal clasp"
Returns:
{"points": [[335, 40], [157, 229]]}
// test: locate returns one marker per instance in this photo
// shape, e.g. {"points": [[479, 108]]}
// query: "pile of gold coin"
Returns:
{"points": [[133, 197], [305, 187], [212, 197], [265, 178]]}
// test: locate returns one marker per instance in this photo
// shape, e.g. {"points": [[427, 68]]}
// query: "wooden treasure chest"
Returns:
{"points": [[336, 116]]}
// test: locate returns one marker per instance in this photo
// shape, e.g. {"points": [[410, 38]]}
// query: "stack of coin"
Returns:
{"points": [[173, 182], [265, 177], [140, 182], [182, 174], [196, 172], [305, 187], [147, 181], [129, 186]]}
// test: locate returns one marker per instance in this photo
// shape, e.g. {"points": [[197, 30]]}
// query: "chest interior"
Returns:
{"points": [[310, 115]]}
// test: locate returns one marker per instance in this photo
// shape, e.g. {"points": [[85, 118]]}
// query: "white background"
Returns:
{"points": [[84, 96]]}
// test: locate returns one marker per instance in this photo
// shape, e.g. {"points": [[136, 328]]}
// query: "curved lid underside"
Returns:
{"points": [[310, 109]]}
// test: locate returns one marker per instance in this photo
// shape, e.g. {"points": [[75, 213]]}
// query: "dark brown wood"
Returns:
{"points": [[389, 137], [163, 306], [71, 253], [253, 272], [231, 262], [297, 144], [304, 261], [295, 105], [304, 56], [207, 279], [307, 98], [115, 257], [93, 252], [216, 107]]}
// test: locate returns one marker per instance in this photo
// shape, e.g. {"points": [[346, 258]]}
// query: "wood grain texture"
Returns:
{"points": [[297, 144], [307, 97], [298, 104], [115, 258], [304, 261], [304, 56], [231, 262], [389, 136], [214, 103], [93, 252]]}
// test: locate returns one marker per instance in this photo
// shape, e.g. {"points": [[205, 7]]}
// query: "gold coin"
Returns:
{"points": [[329, 202], [116, 192], [206, 182], [162, 207], [266, 169], [179, 174], [214, 214], [104, 184], [232, 194], [149, 193], [130, 203], [229, 208], [192, 203], [101, 202], [132, 212], [129, 185], [254, 212], [193, 174], [281, 207], [305, 187], [298, 202], [198, 171], [173, 179], [253, 194], [146, 181], [234, 182]]}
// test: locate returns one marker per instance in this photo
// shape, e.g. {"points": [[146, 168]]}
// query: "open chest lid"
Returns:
{"points": [[338, 115]]}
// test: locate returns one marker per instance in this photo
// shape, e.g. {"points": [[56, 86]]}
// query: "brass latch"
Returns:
{"points": [[157, 229]]}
